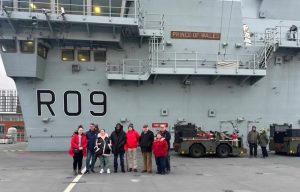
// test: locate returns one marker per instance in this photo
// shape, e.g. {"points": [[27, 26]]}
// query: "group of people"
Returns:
{"points": [[97, 144], [254, 139]]}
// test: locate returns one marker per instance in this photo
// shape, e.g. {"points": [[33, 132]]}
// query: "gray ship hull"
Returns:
{"points": [[221, 103]]}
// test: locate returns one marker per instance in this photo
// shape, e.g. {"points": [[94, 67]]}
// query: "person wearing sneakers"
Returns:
{"points": [[102, 150], [91, 136], [78, 149], [160, 151], [118, 140], [146, 140], [131, 147]]}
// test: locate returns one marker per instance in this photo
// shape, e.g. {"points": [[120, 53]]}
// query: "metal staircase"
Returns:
{"points": [[264, 54]]}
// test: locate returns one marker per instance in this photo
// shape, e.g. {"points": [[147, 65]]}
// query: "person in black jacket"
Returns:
{"points": [[166, 134], [146, 140], [91, 136], [118, 140]]}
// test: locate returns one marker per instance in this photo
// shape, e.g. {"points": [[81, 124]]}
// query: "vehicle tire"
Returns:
{"points": [[223, 151], [196, 151], [298, 151]]}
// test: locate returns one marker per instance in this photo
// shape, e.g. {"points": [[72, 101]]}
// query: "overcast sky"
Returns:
{"points": [[5, 82]]}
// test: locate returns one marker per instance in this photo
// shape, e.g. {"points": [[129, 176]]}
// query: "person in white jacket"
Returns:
{"points": [[103, 150]]}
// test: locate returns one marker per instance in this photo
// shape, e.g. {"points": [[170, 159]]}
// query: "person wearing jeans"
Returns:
{"points": [[166, 134], [160, 150], [91, 136]]}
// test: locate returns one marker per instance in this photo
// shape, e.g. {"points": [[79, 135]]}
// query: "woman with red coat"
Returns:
{"points": [[78, 149], [131, 147], [160, 151]]}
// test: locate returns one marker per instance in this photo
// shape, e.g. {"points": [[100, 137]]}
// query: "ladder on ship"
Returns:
{"points": [[155, 43], [265, 53]]}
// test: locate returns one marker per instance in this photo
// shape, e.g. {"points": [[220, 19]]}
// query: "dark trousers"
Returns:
{"points": [[121, 155], [253, 147], [77, 161], [168, 165], [264, 151], [90, 155], [161, 164]]}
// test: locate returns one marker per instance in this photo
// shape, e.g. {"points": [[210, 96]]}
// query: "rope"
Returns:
{"points": [[229, 25], [221, 26]]}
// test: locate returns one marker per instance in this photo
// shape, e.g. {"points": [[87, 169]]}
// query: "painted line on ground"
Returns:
{"points": [[74, 182], [11, 150]]}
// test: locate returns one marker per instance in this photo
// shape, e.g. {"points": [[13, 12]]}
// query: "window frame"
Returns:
{"points": [[15, 43], [45, 50], [68, 50], [83, 50], [27, 52], [105, 58]]}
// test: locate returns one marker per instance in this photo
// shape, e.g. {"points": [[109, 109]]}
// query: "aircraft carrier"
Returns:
{"points": [[222, 64]]}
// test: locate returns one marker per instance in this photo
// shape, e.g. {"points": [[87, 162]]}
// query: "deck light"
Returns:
{"points": [[33, 6], [97, 10]]}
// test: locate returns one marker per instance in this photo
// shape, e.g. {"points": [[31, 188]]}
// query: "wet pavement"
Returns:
{"points": [[52, 171]]}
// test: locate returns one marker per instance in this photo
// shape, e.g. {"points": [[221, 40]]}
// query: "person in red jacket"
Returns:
{"points": [[160, 151], [78, 149], [131, 147]]}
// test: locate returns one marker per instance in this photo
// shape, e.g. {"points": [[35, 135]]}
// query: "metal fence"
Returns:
{"points": [[109, 8]]}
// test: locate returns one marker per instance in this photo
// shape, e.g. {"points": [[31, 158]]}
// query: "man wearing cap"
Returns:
{"points": [[263, 142], [253, 138], [166, 134], [146, 141]]}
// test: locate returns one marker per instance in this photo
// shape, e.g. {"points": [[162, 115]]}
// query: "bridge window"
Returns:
{"points": [[8, 45], [77, 7], [27, 46], [84, 55], [100, 55], [34, 5], [67, 55], [106, 8], [42, 51], [8, 5]]}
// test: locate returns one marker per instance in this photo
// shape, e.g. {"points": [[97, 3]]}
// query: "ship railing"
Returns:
{"points": [[195, 60], [77, 9], [258, 39], [285, 36], [154, 21], [129, 66]]}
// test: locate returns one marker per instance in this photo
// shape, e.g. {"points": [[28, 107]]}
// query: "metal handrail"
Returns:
{"points": [[129, 66], [195, 61], [41, 6], [283, 33]]}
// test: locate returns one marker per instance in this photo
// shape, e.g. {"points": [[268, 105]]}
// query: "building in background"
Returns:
{"points": [[9, 101], [10, 114]]}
